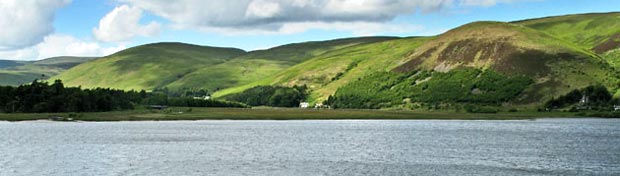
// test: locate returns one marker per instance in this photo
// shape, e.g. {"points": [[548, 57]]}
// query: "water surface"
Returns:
{"points": [[328, 147]]}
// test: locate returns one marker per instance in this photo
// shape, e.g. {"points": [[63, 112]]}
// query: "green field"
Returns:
{"points": [[183, 113]]}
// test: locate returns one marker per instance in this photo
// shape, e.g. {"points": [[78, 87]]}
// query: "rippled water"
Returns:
{"points": [[375, 147]]}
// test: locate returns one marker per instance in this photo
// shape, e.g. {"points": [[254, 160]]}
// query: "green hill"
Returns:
{"points": [[517, 63], [177, 66], [483, 62], [599, 32], [323, 74], [146, 67], [21, 72], [584, 30], [65, 62], [256, 65]]}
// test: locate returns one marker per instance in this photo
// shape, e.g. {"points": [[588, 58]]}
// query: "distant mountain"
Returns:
{"points": [[21, 72], [65, 62]]}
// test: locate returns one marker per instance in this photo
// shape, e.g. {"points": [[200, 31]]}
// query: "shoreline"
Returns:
{"points": [[249, 120], [193, 114]]}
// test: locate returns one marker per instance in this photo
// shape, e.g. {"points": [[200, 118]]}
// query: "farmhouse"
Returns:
{"points": [[206, 97], [304, 104]]}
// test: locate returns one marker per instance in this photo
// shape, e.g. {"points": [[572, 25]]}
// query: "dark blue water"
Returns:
{"points": [[351, 147]]}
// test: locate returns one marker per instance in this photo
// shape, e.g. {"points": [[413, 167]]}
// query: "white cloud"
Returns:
{"points": [[26, 22], [122, 24], [284, 16], [484, 3], [357, 28], [60, 45], [262, 9]]}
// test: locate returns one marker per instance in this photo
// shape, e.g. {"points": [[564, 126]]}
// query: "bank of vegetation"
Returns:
{"points": [[40, 97], [467, 88]]}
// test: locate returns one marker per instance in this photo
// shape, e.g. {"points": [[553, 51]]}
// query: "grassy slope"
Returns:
{"points": [[257, 65], [147, 66], [65, 62], [21, 72], [352, 63], [557, 66], [584, 30]]}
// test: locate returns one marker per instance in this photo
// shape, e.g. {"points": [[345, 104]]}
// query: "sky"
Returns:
{"points": [[39, 29]]}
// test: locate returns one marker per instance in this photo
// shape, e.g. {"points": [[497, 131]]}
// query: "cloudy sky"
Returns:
{"points": [[38, 29]]}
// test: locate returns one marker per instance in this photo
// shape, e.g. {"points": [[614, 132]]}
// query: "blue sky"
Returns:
{"points": [[41, 29]]}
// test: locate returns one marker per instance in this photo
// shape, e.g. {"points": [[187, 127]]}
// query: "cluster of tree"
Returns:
{"points": [[459, 86], [591, 97], [276, 96], [43, 97]]}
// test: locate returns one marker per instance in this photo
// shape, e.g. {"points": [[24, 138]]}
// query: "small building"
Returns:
{"points": [[304, 104], [616, 107], [584, 100], [318, 105], [206, 97]]}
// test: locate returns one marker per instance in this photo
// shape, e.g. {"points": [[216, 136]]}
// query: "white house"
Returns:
{"points": [[304, 104], [318, 105], [206, 97], [616, 107]]}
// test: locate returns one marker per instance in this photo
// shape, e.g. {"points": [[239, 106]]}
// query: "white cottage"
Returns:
{"points": [[304, 104]]}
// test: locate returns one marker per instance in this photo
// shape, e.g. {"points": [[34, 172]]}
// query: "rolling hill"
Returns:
{"points": [[21, 72], [528, 52], [599, 32], [177, 65], [555, 66], [584, 30], [323, 74], [146, 67], [512, 63]]}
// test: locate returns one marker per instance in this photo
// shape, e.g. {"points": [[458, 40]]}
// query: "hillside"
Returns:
{"points": [[256, 65], [481, 54], [146, 67], [539, 58], [483, 62], [20, 72], [588, 31], [177, 66], [323, 74]]}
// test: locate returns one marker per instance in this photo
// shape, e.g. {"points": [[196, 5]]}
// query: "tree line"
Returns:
{"points": [[43, 97], [461, 86], [39, 97], [595, 97]]}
